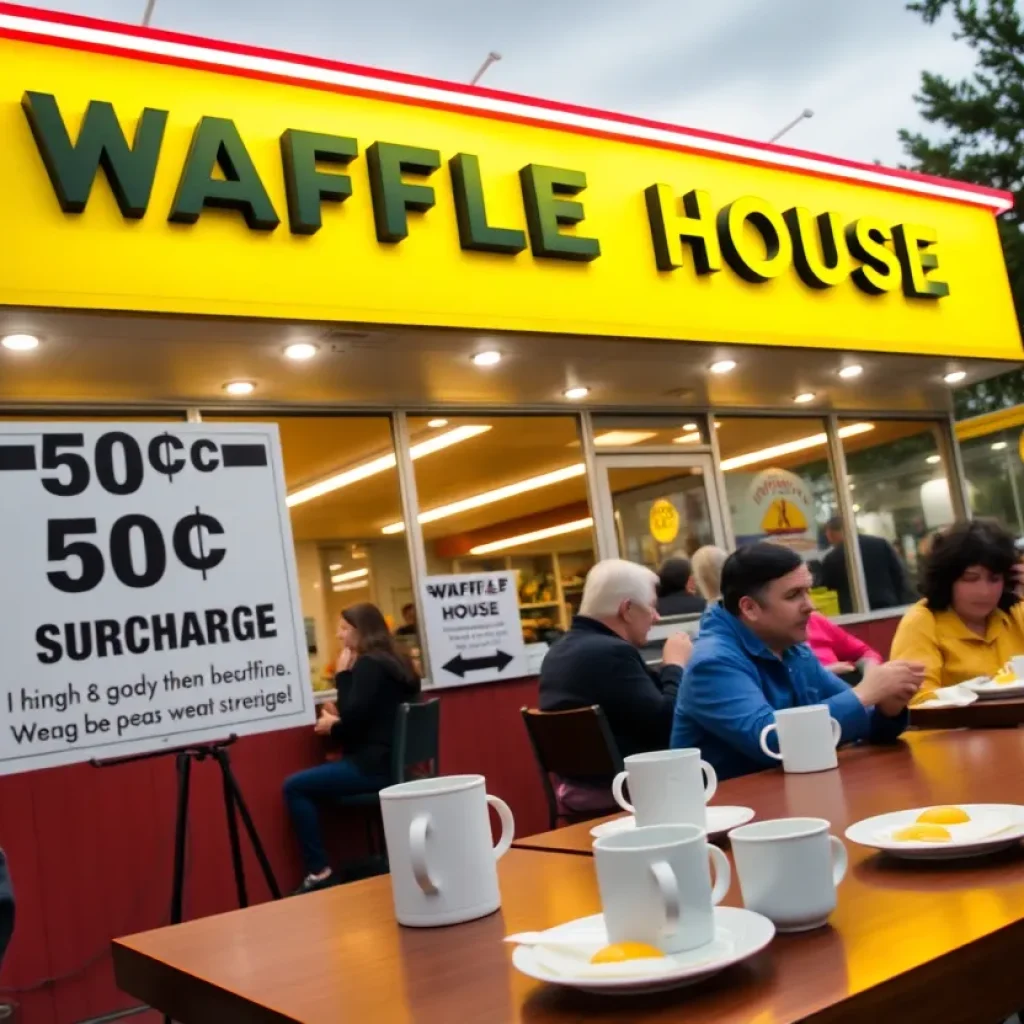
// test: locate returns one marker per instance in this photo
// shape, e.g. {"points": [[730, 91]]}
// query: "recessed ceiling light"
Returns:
{"points": [[804, 397], [335, 567], [691, 438], [723, 366], [933, 460], [955, 377], [623, 438], [856, 508], [437, 424], [489, 358], [301, 350], [20, 342], [690, 427], [849, 372], [575, 394], [240, 387], [998, 446]]}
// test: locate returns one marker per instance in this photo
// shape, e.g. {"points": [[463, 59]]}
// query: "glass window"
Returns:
{"points": [[511, 495], [901, 495], [342, 481], [639, 432], [659, 511], [995, 477], [780, 487]]}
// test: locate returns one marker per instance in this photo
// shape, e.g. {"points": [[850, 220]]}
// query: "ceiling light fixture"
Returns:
{"points": [[791, 447], [437, 424], [530, 538], [240, 387], [334, 568], [339, 587], [998, 446], [20, 342], [575, 394], [691, 438], [856, 508], [690, 427], [933, 460], [804, 397], [851, 371], [382, 464], [533, 483], [723, 366], [623, 438], [489, 358], [352, 574], [955, 377], [301, 351]]}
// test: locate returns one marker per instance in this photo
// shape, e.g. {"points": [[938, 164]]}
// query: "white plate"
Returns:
{"points": [[739, 934], [866, 833], [949, 697], [987, 690], [721, 819]]}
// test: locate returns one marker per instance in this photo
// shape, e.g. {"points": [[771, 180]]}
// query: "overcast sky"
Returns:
{"points": [[743, 67]]}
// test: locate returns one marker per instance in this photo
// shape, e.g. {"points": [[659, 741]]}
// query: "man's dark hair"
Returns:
{"points": [[835, 524], [406, 608], [958, 548], [674, 574], [748, 570]]}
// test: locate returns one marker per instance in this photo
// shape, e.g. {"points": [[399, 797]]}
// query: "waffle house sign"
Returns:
{"points": [[177, 176]]}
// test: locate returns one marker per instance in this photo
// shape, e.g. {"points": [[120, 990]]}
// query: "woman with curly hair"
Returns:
{"points": [[971, 621]]}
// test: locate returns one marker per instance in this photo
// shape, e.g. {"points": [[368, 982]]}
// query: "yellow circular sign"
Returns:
{"points": [[664, 521]]}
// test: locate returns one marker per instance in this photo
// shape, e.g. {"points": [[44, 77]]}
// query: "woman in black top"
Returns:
{"points": [[373, 678]]}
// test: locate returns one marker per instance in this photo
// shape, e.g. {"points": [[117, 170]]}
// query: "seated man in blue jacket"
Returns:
{"points": [[750, 661]]}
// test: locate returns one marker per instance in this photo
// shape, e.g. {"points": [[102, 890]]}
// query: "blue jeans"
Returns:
{"points": [[303, 789]]}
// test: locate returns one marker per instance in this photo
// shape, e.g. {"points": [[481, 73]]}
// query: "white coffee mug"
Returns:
{"points": [[438, 834], [808, 738], [656, 888], [667, 787], [789, 869]]}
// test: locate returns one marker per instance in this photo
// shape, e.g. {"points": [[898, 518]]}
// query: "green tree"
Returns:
{"points": [[983, 121]]}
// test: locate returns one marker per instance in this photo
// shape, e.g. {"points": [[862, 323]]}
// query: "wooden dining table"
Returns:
{"points": [[909, 941]]}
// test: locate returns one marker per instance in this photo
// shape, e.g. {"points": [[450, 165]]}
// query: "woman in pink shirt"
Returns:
{"points": [[836, 649]]}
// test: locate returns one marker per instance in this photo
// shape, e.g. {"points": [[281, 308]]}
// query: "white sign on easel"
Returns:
{"points": [[148, 589], [473, 629]]}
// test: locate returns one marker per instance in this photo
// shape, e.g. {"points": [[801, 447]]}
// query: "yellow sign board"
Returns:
{"points": [[129, 184], [664, 520]]}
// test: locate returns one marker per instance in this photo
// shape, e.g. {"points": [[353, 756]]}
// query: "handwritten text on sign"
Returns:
{"points": [[473, 628], [149, 583]]}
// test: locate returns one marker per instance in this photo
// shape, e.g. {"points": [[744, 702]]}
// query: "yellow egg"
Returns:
{"points": [[1005, 677], [619, 951], [944, 816], [922, 834]]}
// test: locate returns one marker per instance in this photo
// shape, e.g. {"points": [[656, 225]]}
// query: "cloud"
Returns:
{"points": [[743, 67]]}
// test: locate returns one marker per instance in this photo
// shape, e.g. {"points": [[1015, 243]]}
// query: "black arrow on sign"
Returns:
{"points": [[459, 665]]}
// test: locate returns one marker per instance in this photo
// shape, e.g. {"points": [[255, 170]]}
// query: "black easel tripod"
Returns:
{"points": [[234, 806]]}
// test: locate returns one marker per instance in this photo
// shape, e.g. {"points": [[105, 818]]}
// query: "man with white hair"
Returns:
{"points": [[599, 662]]}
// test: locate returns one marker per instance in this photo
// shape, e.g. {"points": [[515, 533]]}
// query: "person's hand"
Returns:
{"points": [[330, 708], [890, 687], [841, 668], [677, 650], [346, 660], [325, 723]]}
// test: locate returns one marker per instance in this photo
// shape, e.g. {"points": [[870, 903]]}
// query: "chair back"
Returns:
{"points": [[573, 744], [415, 752]]}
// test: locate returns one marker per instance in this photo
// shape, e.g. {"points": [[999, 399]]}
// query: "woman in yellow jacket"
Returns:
{"points": [[971, 621]]}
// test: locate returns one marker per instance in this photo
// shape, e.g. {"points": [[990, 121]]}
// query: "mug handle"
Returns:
{"points": [[617, 784], [711, 781], [837, 731], [418, 832], [764, 741], [668, 887], [723, 874], [840, 860], [508, 826]]}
